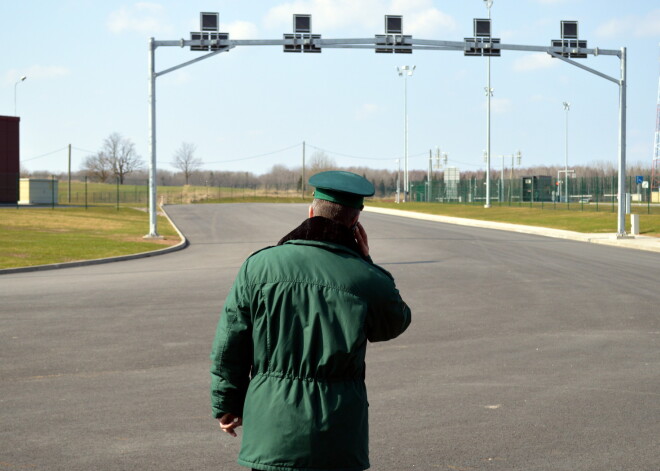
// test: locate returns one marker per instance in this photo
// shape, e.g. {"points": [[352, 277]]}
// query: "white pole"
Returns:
{"points": [[428, 179], [153, 224], [621, 220], [398, 180], [405, 155], [502, 182], [567, 107], [22, 79], [302, 183], [489, 91]]}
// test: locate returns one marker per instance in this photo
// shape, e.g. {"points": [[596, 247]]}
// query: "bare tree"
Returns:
{"points": [[320, 161], [97, 167], [121, 154], [185, 160]]}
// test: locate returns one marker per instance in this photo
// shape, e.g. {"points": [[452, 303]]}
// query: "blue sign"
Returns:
{"points": [[640, 179]]}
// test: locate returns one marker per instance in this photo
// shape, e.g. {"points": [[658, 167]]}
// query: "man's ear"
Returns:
{"points": [[355, 221], [311, 211]]}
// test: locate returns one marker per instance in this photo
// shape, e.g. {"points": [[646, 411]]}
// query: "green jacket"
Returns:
{"points": [[290, 346]]}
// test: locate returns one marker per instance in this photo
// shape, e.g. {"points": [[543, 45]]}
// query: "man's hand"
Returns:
{"points": [[229, 422], [361, 238]]}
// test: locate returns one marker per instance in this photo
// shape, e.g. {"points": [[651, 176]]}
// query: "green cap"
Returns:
{"points": [[345, 188]]}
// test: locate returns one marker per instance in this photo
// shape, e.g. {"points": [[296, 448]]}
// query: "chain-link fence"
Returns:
{"points": [[582, 193], [53, 192]]}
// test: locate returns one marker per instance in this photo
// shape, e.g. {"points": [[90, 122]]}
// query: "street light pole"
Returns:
{"points": [[567, 107], [153, 225], [398, 180], [405, 71], [22, 79], [489, 93]]}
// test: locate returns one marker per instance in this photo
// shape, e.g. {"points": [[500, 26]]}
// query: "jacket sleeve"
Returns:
{"points": [[231, 355], [388, 315]]}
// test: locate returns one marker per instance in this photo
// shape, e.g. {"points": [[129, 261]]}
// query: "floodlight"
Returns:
{"points": [[302, 23], [209, 21], [569, 29], [393, 24], [482, 27]]}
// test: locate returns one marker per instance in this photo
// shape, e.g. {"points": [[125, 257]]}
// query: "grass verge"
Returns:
{"points": [[38, 236], [578, 221]]}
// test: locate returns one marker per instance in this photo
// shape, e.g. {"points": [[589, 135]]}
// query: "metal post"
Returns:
{"points": [[428, 179], [398, 182], [406, 188], [302, 186], [69, 174], [22, 79], [511, 179], [502, 182], [489, 91], [153, 225], [621, 220], [567, 107]]}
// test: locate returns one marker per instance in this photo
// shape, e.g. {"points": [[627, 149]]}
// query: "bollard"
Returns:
{"points": [[634, 224]]}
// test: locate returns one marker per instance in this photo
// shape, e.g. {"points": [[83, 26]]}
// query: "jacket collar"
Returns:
{"points": [[320, 229]]}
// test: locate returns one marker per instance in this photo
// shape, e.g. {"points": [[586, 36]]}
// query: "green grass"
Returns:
{"points": [[37, 236], [578, 221]]}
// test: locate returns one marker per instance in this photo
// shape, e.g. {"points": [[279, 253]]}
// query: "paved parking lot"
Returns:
{"points": [[525, 352]]}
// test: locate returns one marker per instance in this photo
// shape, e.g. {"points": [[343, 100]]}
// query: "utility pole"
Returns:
{"points": [[302, 185], [69, 173], [428, 179]]}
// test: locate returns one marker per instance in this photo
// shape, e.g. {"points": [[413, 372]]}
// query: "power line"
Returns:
{"points": [[253, 156], [44, 155], [84, 150]]}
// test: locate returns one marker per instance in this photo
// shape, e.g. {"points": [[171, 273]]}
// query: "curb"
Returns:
{"points": [[98, 261], [650, 244]]}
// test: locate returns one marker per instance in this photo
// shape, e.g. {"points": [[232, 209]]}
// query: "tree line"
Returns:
{"points": [[118, 161]]}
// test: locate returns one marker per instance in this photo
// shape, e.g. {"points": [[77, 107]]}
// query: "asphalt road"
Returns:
{"points": [[525, 353]]}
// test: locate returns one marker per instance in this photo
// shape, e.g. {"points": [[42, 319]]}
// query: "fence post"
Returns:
{"points": [[52, 192], [117, 179], [85, 192], [18, 189]]}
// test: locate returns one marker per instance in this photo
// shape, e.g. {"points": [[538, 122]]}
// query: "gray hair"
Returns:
{"points": [[337, 212]]}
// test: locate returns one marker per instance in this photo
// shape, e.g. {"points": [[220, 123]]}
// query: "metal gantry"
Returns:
{"points": [[391, 42]]}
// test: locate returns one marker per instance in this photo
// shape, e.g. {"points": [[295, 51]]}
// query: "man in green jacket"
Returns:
{"points": [[289, 351]]}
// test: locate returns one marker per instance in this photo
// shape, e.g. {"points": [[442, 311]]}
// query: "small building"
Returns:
{"points": [[536, 188], [9, 159], [38, 191]]}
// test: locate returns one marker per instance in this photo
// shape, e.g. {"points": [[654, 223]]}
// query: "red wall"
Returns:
{"points": [[9, 159]]}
